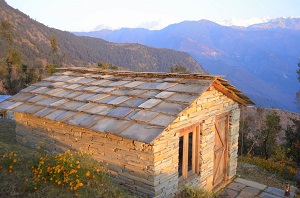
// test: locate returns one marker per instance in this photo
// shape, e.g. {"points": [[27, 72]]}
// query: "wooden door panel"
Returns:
{"points": [[220, 149]]}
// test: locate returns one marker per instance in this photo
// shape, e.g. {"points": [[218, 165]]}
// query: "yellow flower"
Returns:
{"points": [[10, 167], [73, 171], [35, 188], [88, 174], [78, 166], [15, 160]]}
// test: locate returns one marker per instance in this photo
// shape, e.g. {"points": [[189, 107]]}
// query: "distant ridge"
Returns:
{"points": [[32, 39], [261, 60], [279, 23]]}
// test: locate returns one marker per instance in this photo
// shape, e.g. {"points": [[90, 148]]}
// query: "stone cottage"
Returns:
{"points": [[156, 131]]}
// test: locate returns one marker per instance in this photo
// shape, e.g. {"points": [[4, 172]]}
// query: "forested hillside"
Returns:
{"points": [[27, 47], [270, 133]]}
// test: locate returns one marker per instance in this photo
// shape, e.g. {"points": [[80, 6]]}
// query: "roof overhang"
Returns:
{"points": [[231, 92]]}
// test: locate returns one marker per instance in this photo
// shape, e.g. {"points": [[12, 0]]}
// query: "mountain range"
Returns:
{"points": [[261, 59], [32, 39]]}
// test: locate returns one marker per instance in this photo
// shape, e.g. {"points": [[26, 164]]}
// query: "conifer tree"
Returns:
{"points": [[268, 134], [292, 134]]}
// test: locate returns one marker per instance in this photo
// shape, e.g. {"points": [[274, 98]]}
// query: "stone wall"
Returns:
{"points": [[130, 163], [7, 130], [204, 110]]}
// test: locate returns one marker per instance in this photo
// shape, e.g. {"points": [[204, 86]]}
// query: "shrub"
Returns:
{"points": [[195, 192]]}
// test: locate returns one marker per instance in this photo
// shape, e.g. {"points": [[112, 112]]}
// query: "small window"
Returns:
{"points": [[188, 162], [2, 114]]}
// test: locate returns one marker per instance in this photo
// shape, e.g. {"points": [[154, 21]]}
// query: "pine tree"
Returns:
{"points": [[12, 78], [292, 134], [268, 134]]}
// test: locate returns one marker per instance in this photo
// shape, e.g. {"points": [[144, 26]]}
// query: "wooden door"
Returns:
{"points": [[220, 149]]}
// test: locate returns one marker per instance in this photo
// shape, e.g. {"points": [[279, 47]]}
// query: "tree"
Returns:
{"points": [[105, 66], [6, 31], [51, 67], [178, 69], [13, 76], [292, 134], [53, 44], [16, 76], [268, 134], [247, 140], [298, 93]]}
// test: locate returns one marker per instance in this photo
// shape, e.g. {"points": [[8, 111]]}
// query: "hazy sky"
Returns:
{"points": [[86, 15]]}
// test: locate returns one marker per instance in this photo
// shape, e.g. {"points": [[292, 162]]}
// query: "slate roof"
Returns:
{"points": [[137, 106], [4, 97]]}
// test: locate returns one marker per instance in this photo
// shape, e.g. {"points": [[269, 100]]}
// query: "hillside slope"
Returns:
{"points": [[32, 39], [261, 60]]}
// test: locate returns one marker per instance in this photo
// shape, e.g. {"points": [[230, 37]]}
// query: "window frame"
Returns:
{"points": [[184, 132]]}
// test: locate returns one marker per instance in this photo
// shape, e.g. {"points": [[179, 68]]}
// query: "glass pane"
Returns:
{"points": [[190, 165], [180, 156]]}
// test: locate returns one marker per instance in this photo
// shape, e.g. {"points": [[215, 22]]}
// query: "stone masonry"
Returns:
{"points": [[147, 169]]}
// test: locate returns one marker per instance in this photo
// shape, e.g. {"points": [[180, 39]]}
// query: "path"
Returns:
{"points": [[241, 188]]}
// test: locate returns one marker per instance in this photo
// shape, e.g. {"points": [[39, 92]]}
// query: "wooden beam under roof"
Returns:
{"points": [[232, 93]]}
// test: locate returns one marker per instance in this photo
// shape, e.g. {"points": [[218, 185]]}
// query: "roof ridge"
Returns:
{"points": [[142, 74]]}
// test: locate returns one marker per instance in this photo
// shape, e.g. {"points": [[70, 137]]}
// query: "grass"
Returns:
{"points": [[269, 172], [194, 192], [283, 170], [27, 172]]}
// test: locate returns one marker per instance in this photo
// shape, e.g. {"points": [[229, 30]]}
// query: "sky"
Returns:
{"points": [[91, 15]]}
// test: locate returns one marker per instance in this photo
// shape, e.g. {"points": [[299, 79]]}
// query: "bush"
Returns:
{"points": [[195, 192]]}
